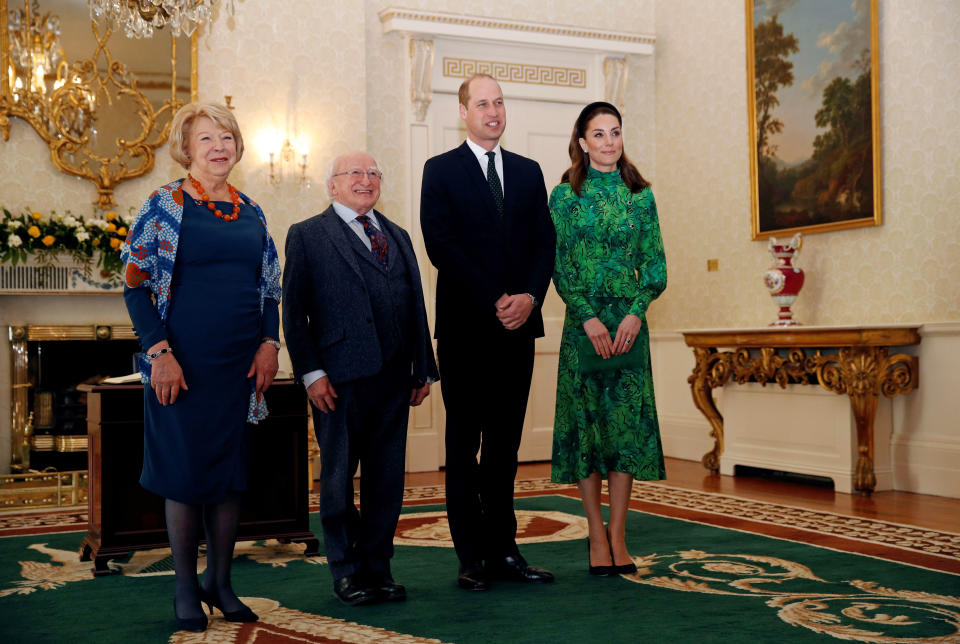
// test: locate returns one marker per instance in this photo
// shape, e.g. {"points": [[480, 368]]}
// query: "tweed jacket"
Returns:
{"points": [[150, 252]]}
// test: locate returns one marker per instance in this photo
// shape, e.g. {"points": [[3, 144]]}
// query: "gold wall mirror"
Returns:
{"points": [[102, 102]]}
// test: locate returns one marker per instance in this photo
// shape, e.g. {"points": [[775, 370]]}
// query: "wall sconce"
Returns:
{"points": [[287, 159]]}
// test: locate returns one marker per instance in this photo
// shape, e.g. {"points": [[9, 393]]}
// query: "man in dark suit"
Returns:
{"points": [[356, 329], [487, 229]]}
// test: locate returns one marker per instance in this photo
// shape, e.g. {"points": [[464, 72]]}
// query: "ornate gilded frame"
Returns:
{"points": [[69, 151], [788, 220]]}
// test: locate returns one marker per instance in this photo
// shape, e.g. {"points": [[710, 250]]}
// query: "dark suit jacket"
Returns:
{"points": [[479, 254], [327, 315]]}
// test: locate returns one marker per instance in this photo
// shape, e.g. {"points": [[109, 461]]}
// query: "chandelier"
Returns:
{"points": [[35, 51], [140, 18], [35, 54]]}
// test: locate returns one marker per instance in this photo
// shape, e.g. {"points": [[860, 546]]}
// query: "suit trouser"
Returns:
{"points": [[486, 383], [368, 427]]}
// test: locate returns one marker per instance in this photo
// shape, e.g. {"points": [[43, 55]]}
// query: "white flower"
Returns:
{"points": [[99, 223], [70, 221], [13, 224], [13, 241], [82, 235]]}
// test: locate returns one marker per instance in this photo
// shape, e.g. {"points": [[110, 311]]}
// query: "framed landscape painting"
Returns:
{"points": [[814, 115]]}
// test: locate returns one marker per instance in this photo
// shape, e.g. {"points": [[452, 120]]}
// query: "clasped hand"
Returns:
{"points": [[627, 332], [513, 310]]}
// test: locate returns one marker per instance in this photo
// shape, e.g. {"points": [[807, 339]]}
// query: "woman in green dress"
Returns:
{"points": [[610, 266]]}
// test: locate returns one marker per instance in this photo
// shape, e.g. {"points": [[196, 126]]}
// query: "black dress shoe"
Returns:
{"points": [[515, 568], [240, 615], [352, 592], [473, 577], [386, 588], [625, 569]]}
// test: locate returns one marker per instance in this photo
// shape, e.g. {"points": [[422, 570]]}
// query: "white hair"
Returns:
{"points": [[332, 169]]}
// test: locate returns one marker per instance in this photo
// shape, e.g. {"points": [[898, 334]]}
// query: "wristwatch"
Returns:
{"points": [[273, 343], [535, 301]]}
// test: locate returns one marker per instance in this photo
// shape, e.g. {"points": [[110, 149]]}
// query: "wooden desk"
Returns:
{"points": [[859, 365], [124, 517]]}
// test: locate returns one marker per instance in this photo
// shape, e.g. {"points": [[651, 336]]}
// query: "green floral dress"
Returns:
{"points": [[610, 263]]}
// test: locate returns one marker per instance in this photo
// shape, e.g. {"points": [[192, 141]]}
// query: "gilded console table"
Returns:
{"points": [[855, 361]]}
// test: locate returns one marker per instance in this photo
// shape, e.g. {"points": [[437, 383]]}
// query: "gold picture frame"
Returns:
{"points": [[814, 132]]}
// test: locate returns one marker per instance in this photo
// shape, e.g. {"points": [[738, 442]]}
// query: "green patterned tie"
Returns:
{"points": [[494, 180]]}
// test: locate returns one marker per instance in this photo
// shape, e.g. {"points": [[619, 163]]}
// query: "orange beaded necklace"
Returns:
{"points": [[234, 197]]}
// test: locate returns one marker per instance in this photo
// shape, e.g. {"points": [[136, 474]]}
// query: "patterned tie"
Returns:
{"points": [[378, 241], [494, 180]]}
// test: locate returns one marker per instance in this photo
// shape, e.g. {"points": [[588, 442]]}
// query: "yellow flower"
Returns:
{"points": [[110, 216], [96, 241], [121, 231], [115, 243], [33, 231], [112, 227], [36, 215], [48, 240]]}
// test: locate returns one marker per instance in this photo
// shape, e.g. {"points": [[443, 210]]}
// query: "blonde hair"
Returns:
{"points": [[184, 118], [463, 94]]}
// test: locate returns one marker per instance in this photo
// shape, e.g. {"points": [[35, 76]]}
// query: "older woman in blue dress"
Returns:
{"points": [[203, 290]]}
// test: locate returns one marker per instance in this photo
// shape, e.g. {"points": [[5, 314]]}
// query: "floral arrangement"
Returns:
{"points": [[48, 237]]}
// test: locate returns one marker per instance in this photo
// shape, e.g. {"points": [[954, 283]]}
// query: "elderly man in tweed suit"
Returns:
{"points": [[356, 329]]}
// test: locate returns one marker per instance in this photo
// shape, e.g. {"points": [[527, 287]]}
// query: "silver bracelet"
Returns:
{"points": [[273, 343], [153, 356]]}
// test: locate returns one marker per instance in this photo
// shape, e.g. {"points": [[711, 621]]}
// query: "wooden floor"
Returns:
{"points": [[934, 512]]}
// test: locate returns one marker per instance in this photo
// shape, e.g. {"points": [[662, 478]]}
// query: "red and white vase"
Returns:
{"points": [[783, 279]]}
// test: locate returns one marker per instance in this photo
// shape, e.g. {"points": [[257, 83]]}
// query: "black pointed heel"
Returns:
{"points": [[192, 624], [240, 615], [622, 569], [597, 571]]}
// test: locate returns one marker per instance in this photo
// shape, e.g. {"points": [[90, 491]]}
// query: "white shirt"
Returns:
{"points": [[349, 217], [481, 155]]}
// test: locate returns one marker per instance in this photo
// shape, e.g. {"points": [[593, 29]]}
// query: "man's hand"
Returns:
{"points": [[321, 394], [417, 395], [513, 310], [264, 367]]}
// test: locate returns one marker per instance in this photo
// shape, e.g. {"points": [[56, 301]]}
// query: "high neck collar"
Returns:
{"points": [[605, 177]]}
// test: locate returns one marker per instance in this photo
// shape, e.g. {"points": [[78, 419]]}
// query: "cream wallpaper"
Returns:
{"points": [[899, 272]]}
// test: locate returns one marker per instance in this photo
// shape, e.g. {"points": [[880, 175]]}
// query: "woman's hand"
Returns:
{"points": [[264, 367], [166, 376], [599, 336], [627, 334]]}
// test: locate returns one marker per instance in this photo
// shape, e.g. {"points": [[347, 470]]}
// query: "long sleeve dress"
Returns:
{"points": [[197, 450], [610, 263]]}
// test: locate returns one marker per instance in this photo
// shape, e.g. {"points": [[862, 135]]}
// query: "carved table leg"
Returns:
{"points": [[702, 382], [864, 408]]}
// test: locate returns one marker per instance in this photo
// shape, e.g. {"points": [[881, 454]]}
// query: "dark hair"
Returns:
{"points": [[579, 160]]}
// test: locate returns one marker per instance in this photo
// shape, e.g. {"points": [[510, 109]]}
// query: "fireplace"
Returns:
{"points": [[47, 363]]}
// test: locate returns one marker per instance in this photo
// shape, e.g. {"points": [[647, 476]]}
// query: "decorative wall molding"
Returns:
{"points": [[438, 23], [421, 71], [532, 74], [615, 80]]}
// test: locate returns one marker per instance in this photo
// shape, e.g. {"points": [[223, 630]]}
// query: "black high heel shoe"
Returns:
{"points": [[598, 571], [192, 624], [622, 569], [241, 615]]}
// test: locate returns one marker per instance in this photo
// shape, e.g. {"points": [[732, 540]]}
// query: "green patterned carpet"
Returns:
{"points": [[696, 583]]}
